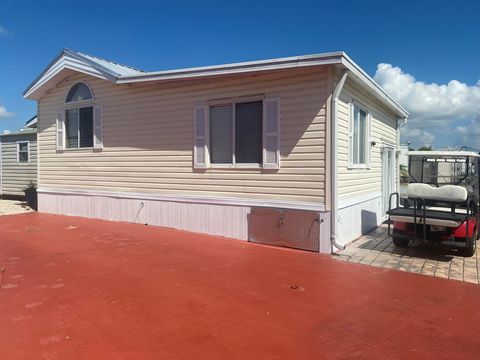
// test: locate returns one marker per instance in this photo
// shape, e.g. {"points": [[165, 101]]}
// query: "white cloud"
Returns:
{"points": [[422, 137], [469, 134], [432, 106], [430, 101], [6, 132], [4, 113]]}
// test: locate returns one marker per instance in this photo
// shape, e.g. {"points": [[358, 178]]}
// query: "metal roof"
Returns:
{"points": [[443, 153], [26, 131], [121, 74], [119, 69]]}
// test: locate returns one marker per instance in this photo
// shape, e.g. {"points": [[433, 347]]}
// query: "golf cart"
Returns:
{"points": [[442, 201]]}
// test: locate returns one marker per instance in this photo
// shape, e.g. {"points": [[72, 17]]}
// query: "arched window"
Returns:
{"points": [[79, 92], [79, 118]]}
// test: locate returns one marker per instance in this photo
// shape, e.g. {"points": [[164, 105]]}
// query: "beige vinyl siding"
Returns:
{"points": [[148, 139], [16, 176], [361, 181]]}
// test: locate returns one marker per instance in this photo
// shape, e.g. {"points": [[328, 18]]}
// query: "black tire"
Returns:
{"points": [[399, 241], [471, 244]]}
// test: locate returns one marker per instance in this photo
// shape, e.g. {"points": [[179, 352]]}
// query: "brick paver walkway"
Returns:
{"points": [[377, 249]]}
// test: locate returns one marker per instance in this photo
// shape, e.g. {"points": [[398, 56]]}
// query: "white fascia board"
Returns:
{"points": [[358, 72], [68, 61], [236, 68]]}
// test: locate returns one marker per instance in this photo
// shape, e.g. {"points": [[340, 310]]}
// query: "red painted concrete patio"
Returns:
{"points": [[75, 288]]}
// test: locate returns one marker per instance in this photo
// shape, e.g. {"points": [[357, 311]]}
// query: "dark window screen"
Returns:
{"points": [[86, 127], [248, 132]]}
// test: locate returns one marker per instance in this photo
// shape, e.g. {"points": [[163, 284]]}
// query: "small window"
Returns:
{"points": [[23, 151], [79, 92], [236, 133], [79, 127], [358, 136]]}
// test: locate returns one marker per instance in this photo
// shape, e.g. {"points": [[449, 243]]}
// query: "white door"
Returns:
{"points": [[388, 176]]}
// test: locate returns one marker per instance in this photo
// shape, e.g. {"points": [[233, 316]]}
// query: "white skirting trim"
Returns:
{"points": [[191, 199], [358, 219], [221, 220]]}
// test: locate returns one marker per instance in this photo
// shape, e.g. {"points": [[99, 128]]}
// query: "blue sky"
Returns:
{"points": [[429, 49]]}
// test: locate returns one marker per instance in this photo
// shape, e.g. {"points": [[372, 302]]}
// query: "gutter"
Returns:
{"points": [[333, 162]]}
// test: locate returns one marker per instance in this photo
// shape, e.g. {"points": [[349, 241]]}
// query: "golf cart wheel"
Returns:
{"points": [[399, 240], [471, 244]]}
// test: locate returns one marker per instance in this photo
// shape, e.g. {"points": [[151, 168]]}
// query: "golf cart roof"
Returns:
{"points": [[444, 153]]}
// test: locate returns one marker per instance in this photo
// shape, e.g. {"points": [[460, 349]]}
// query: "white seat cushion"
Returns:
{"points": [[453, 193]]}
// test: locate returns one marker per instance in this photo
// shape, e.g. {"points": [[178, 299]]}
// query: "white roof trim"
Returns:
{"points": [[31, 122], [443, 153], [99, 68], [67, 60], [372, 84], [234, 68]]}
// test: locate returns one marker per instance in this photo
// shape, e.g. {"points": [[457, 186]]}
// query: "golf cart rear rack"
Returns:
{"points": [[424, 216]]}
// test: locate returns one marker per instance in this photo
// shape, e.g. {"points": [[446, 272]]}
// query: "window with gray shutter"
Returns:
{"points": [[79, 127], [241, 133]]}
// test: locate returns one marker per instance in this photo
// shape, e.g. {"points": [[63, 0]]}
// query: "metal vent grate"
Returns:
{"points": [[299, 229]]}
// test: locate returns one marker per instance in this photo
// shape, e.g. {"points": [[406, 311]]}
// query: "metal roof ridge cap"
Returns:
{"points": [[239, 65]]}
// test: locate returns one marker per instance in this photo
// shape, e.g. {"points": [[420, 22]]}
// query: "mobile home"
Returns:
{"points": [[297, 151]]}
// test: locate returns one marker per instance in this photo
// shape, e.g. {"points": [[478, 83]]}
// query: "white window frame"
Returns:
{"points": [[78, 131], [368, 129], [18, 151], [81, 104], [233, 103]]}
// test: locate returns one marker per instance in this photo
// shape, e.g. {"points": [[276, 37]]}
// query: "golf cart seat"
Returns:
{"points": [[450, 193]]}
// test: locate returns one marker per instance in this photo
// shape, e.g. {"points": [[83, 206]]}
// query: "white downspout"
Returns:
{"points": [[333, 163], [397, 163]]}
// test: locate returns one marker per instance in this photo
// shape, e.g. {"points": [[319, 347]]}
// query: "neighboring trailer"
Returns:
{"points": [[18, 161]]}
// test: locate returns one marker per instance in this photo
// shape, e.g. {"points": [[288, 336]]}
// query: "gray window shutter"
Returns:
{"points": [[98, 127], [271, 133], [60, 123], [356, 135], [201, 137], [350, 134], [369, 140]]}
